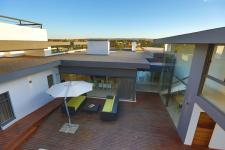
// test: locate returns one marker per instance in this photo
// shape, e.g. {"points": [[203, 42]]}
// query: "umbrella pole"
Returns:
{"points": [[67, 111], [65, 102]]}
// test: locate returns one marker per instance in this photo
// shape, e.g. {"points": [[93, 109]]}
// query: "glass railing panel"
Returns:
{"points": [[148, 81], [175, 77]]}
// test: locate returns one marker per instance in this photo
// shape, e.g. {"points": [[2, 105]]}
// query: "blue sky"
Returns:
{"points": [[118, 18]]}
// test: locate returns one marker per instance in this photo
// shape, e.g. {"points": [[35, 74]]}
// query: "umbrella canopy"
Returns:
{"points": [[70, 89]]}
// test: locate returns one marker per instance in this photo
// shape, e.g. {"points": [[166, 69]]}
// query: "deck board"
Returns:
{"points": [[142, 125], [14, 135]]}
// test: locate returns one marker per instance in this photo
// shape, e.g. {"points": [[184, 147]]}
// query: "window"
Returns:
{"points": [[6, 112], [148, 81], [214, 83], [50, 80], [102, 85]]}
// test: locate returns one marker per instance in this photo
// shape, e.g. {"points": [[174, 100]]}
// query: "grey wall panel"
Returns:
{"points": [[126, 89], [192, 88]]}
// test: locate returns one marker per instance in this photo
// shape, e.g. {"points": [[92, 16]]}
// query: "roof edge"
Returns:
{"points": [[210, 36]]}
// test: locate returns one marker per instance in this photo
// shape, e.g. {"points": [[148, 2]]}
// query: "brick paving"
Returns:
{"points": [[144, 125]]}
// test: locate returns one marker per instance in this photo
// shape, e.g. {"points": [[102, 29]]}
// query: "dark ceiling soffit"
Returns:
{"points": [[7, 45], [71, 63], [212, 36], [113, 72], [120, 65], [28, 71]]}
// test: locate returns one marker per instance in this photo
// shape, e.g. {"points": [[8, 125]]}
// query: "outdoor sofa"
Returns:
{"points": [[110, 109], [74, 104]]}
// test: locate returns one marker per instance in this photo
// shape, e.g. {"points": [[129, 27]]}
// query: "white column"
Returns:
{"points": [[193, 124], [98, 47], [167, 47], [134, 46], [217, 139]]}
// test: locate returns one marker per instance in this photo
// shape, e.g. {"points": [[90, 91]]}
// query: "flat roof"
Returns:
{"points": [[212, 36], [122, 60]]}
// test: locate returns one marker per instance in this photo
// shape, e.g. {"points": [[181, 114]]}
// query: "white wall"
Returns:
{"points": [[27, 97], [16, 32], [218, 138], [14, 53], [98, 47], [193, 124]]}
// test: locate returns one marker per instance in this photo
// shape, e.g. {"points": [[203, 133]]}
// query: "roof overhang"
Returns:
{"points": [[212, 36], [8, 45]]}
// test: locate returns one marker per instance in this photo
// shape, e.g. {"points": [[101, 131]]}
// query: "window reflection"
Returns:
{"points": [[214, 86]]}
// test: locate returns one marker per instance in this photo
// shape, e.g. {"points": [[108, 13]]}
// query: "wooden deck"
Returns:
{"points": [[142, 125], [19, 132]]}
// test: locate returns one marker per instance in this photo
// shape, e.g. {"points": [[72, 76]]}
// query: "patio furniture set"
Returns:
{"points": [[76, 90], [109, 110]]}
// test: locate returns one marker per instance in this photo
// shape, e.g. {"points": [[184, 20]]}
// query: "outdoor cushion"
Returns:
{"points": [[110, 97], [108, 106], [75, 102]]}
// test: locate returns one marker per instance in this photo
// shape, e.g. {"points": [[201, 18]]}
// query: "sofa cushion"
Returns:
{"points": [[75, 102], [108, 106]]}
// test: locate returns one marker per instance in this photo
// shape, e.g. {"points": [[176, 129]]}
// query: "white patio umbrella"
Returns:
{"points": [[69, 89]]}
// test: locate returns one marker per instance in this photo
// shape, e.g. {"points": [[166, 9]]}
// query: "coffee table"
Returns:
{"points": [[91, 107]]}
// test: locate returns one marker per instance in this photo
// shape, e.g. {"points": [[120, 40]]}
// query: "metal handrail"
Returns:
{"points": [[221, 82], [22, 22], [181, 80]]}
